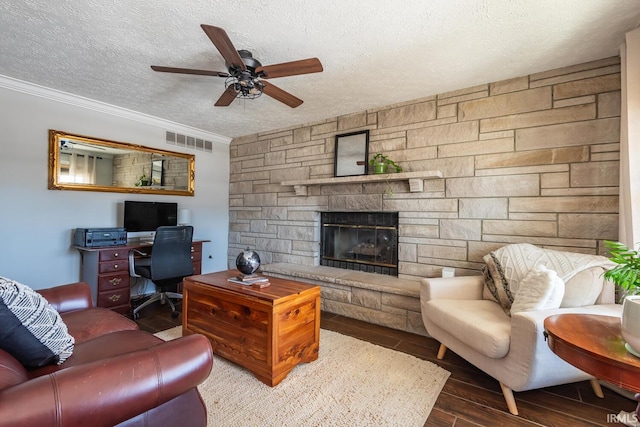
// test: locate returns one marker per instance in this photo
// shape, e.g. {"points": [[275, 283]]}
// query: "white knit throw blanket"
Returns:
{"points": [[507, 266]]}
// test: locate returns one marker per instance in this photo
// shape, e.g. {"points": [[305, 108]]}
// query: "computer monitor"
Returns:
{"points": [[141, 219]]}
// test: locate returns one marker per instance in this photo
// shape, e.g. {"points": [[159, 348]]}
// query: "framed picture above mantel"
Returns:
{"points": [[352, 154]]}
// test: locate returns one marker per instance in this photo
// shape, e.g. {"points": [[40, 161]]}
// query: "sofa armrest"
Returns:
{"points": [[73, 296], [460, 287], [529, 351], [538, 316], [110, 391]]}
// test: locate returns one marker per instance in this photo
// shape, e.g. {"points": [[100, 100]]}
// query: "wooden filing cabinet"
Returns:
{"points": [[106, 270], [196, 257]]}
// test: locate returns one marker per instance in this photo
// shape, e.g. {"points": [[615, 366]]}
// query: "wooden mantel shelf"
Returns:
{"points": [[416, 180]]}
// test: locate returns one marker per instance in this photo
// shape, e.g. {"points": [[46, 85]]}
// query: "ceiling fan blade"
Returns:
{"points": [[189, 71], [222, 42], [280, 95], [227, 97], [293, 68]]}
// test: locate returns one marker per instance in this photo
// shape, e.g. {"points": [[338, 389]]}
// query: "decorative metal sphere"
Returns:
{"points": [[247, 262]]}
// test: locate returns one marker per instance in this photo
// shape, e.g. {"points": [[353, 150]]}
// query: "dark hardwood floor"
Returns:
{"points": [[470, 397]]}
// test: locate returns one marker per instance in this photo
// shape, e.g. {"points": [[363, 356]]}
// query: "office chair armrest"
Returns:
{"points": [[132, 261], [110, 391]]}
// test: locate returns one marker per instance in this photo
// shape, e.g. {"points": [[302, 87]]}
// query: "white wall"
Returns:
{"points": [[36, 223], [629, 140]]}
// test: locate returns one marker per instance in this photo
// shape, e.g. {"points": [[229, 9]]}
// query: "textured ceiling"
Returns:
{"points": [[374, 52]]}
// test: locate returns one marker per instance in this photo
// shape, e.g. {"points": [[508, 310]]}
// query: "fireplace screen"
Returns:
{"points": [[363, 241]]}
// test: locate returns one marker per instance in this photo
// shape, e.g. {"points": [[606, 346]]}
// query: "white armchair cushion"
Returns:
{"points": [[540, 289], [584, 288], [481, 324]]}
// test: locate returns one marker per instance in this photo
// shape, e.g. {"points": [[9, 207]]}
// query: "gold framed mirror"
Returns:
{"points": [[84, 163]]}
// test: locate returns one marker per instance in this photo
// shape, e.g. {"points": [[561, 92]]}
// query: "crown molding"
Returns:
{"points": [[101, 107]]}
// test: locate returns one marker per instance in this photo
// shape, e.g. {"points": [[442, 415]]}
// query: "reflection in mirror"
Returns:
{"points": [[91, 164], [156, 172], [352, 154]]}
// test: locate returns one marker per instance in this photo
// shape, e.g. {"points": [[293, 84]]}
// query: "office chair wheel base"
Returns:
{"points": [[174, 314]]}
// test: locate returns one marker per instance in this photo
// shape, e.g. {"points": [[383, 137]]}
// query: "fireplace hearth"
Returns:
{"points": [[361, 241]]}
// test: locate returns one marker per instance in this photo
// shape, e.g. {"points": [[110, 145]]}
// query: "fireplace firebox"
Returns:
{"points": [[362, 241]]}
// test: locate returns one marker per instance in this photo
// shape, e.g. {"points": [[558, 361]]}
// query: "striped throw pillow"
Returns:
{"points": [[31, 330]]}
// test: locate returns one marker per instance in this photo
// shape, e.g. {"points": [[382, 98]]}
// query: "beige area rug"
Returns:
{"points": [[353, 383]]}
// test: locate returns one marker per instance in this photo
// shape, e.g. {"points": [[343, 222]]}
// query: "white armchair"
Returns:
{"points": [[510, 348]]}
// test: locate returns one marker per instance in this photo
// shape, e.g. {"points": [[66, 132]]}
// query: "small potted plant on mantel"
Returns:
{"points": [[626, 275], [383, 164], [143, 181]]}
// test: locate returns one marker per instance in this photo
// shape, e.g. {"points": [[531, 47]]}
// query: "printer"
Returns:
{"points": [[96, 237]]}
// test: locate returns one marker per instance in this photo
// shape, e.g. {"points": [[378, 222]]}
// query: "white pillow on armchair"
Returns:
{"points": [[540, 289]]}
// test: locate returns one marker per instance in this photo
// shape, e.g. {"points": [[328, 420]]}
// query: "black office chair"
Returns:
{"points": [[170, 261]]}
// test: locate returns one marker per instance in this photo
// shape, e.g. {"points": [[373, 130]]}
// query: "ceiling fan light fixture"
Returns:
{"points": [[248, 88], [244, 79]]}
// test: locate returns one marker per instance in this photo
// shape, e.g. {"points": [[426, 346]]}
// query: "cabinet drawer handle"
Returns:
{"points": [[115, 281], [114, 298], [115, 266], [115, 255]]}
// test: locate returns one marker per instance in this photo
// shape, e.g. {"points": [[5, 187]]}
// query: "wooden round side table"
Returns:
{"points": [[594, 344]]}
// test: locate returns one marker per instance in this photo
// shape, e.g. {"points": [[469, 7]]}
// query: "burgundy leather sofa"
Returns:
{"points": [[117, 374]]}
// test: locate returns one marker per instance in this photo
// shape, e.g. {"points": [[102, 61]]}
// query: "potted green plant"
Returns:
{"points": [[143, 181], [383, 164], [626, 275], [393, 167]]}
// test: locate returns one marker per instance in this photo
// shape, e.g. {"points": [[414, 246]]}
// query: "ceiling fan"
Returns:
{"points": [[246, 76]]}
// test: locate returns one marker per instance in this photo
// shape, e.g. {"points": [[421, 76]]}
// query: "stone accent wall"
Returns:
{"points": [[531, 159]]}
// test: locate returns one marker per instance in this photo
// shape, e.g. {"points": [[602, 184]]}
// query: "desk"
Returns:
{"points": [[106, 270]]}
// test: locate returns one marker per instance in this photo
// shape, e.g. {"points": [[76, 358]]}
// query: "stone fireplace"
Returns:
{"points": [[361, 241]]}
